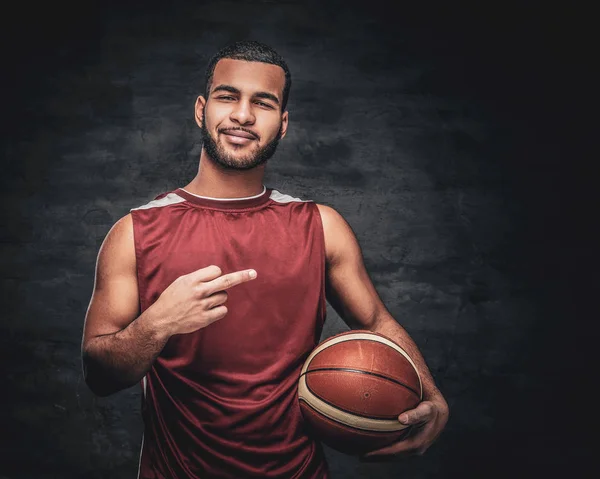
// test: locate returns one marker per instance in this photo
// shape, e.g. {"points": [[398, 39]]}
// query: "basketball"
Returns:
{"points": [[353, 387]]}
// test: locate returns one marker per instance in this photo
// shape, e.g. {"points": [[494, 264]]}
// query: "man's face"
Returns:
{"points": [[241, 121]]}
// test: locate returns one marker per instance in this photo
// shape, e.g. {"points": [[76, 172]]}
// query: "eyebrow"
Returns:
{"points": [[267, 96], [260, 94], [229, 88]]}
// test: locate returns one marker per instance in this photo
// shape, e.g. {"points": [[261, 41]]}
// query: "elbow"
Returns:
{"points": [[97, 387], [98, 391], [94, 377], [379, 320]]}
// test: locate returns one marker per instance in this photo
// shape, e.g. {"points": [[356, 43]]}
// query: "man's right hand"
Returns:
{"points": [[195, 300], [120, 343]]}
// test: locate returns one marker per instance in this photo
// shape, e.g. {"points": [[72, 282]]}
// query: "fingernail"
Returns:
{"points": [[404, 418], [252, 274]]}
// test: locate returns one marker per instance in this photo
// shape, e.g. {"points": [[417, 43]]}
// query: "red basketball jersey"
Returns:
{"points": [[222, 402]]}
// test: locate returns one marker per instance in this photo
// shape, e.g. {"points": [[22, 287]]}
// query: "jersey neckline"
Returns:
{"points": [[226, 203]]}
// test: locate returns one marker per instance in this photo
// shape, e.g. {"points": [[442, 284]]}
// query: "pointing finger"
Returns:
{"points": [[229, 280]]}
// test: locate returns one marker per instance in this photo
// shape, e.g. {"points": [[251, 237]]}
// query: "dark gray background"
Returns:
{"points": [[451, 139]]}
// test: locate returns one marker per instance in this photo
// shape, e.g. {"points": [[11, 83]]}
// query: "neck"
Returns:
{"points": [[216, 182]]}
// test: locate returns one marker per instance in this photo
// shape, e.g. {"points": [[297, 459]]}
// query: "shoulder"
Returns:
{"points": [[121, 233], [117, 252], [328, 213], [332, 220], [339, 237]]}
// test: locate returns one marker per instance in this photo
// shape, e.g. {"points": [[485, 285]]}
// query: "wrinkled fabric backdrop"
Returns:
{"points": [[451, 139]]}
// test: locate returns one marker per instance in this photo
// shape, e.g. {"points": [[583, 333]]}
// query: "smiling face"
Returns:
{"points": [[241, 120]]}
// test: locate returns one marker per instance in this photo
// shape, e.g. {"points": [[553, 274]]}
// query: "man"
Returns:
{"points": [[213, 295]]}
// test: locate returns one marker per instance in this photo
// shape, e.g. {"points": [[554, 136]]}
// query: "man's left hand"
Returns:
{"points": [[427, 421]]}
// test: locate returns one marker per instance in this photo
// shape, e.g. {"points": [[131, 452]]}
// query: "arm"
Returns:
{"points": [[119, 345], [352, 294]]}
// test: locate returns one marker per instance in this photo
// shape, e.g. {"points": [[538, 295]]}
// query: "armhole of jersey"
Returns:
{"points": [[321, 233], [144, 385], [138, 256]]}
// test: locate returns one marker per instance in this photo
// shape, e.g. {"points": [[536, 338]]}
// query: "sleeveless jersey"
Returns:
{"points": [[222, 402]]}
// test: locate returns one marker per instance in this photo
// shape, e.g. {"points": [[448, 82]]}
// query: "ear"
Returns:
{"points": [[284, 123], [198, 109]]}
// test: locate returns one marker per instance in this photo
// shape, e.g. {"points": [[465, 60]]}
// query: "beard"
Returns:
{"points": [[216, 151]]}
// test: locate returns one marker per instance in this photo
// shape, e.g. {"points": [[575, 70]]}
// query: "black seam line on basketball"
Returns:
{"points": [[370, 431], [350, 370], [354, 413]]}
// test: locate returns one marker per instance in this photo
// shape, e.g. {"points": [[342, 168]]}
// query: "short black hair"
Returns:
{"points": [[250, 51]]}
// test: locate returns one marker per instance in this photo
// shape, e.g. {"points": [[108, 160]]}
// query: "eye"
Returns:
{"points": [[263, 104], [225, 97]]}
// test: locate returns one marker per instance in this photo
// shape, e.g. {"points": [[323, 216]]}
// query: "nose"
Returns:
{"points": [[242, 113]]}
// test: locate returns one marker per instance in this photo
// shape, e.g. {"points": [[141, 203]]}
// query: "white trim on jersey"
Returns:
{"points": [[170, 199], [283, 198], [144, 381], [140, 459], [226, 199]]}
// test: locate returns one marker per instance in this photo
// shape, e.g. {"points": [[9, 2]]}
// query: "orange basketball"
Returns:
{"points": [[352, 389]]}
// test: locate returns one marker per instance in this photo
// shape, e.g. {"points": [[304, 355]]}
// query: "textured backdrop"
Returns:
{"points": [[445, 137]]}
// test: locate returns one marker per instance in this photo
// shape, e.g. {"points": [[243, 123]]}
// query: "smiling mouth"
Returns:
{"points": [[240, 134]]}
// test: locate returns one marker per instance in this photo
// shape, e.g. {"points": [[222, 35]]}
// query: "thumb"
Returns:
{"points": [[422, 413]]}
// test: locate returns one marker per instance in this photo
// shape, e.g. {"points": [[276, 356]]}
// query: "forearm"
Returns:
{"points": [[119, 360], [389, 327]]}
